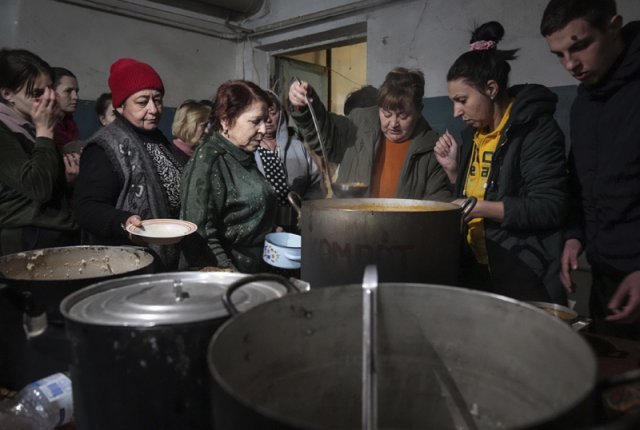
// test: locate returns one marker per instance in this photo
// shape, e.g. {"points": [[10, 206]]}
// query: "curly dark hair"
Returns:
{"points": [[233, 98]]}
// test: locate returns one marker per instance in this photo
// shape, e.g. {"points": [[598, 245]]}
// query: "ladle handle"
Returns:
{"points": [[320, 140], [296, 203], [369, 333], [226, 297]]}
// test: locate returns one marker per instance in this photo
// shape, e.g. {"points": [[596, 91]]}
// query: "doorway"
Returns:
{"points": [[333, 72]]}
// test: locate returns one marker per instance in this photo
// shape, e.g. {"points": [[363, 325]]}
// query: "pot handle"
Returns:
{"points": [[226, 297], [292, 257], [580, 323], [468, 206], [34, 318]]}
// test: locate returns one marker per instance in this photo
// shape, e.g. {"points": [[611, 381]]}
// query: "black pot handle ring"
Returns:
{"points": [[468, 206], [226, 297]]}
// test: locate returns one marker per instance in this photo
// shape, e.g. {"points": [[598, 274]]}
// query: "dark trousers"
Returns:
{"points": [[603, 287], [506, 275], [20, 239]]}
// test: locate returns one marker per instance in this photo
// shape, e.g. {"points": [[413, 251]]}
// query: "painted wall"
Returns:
{"points": [[428, 35], [415, 33], [439, 36], [87, 42]]}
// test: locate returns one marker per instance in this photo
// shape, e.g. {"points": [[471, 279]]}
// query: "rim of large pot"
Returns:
{"points": [[382, 205], [33, 255]]}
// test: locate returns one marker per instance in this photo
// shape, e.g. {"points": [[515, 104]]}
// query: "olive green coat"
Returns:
{"points": [[354, 143], [32, 189], [233, 205]]}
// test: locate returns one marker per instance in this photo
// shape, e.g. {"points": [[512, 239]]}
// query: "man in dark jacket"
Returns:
{"points": [[593, 46]]}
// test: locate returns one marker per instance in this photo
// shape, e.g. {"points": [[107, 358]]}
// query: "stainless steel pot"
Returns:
{"points": [[32, 339], [568, 315], [139, 346], [448, 358], [51, 274], [408, 240]]}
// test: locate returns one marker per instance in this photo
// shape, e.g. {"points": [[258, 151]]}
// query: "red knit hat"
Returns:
{"points": [[128, 76]]}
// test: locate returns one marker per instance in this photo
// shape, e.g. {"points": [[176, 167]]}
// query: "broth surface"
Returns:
{"points": [[383, 208]]}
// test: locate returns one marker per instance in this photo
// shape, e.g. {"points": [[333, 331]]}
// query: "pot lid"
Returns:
{"points": [[167, 298]]}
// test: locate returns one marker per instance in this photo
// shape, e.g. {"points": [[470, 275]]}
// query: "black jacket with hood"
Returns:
{"points": [[605, 139], [529, 175]]}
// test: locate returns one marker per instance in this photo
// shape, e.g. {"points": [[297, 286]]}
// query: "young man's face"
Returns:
{"points": [[585, 51]]}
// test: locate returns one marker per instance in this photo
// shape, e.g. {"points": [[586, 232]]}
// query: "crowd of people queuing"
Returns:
{"points": [[233, 160]]}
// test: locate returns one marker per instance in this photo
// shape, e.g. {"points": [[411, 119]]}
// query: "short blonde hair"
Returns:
{"points": [[188, 117]]}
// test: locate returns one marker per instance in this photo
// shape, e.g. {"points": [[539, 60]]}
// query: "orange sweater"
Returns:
{"points": [[386, 174]]}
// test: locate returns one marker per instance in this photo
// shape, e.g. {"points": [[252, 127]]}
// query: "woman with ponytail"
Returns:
{"points": [[512, 159]]}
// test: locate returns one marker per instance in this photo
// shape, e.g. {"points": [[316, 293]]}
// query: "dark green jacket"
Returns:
{"points": [[354, 142], [233, 205], [32, 185], [529, 175]]}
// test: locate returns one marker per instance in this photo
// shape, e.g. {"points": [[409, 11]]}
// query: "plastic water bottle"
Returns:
{"points": [[41, 405]]}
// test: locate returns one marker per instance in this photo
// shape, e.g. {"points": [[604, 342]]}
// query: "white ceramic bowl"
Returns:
{"points": [[163, 231], [282, 250]]}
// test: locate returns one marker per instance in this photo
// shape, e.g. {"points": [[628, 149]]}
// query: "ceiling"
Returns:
{"points": [[232, 10], [212, 17], [225, 19]]}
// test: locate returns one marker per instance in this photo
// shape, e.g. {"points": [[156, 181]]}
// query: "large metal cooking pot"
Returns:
{"points": [[32, 339], [448, 358], [408, 240], [139, 346], [51, 274]]}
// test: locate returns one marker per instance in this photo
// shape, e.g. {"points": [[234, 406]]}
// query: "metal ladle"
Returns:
{"points": [[341, 190]]}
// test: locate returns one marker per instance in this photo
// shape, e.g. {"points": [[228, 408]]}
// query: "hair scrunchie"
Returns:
{"points": [[482, 45]]}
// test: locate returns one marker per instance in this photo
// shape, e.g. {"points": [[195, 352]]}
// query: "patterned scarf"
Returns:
{"points": [[275, 173], [169, 171], [149, 174]]}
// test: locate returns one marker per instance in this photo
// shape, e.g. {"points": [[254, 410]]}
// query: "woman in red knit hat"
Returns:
{"points": [[127, 170]]}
